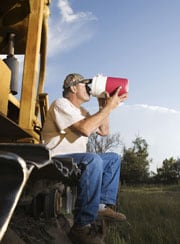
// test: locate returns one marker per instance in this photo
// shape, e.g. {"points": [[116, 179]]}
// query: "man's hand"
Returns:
{"points": [[115, 100]]}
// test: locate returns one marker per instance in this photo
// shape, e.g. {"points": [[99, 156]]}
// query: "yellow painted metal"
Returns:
{"points": [[5, 76]]}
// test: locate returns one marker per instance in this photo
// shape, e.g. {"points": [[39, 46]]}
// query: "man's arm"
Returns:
{"points": [[100, 121]]}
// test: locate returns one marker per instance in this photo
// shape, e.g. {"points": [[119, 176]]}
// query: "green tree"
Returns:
{"points": [[135, 163], [177, 168], [169, 172]]}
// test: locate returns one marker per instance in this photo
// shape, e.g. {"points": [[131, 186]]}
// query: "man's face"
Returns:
{"points": [[83, 92]]}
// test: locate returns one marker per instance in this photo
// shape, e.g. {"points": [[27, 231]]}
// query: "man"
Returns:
{"points": [[66, 130]]}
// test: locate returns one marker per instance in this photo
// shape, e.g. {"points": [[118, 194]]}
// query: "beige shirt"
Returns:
{"points": [[57, 134]]}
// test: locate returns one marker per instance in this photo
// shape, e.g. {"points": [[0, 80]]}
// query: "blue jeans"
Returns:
{"points": [[98, 183]]}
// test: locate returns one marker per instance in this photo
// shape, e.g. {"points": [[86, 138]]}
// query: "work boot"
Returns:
{"points": [[110, 214], [87, 234]]}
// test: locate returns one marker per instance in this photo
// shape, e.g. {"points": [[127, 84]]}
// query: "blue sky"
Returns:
{"points": [[138, 40], [134, 39]]}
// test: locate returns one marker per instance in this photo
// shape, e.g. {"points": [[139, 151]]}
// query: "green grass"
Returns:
{"points": [[153, 215]]}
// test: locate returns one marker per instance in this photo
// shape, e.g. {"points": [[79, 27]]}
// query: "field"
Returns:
{"points": [[153, 215]]}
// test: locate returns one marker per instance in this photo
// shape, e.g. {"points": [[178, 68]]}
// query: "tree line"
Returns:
{"points": [[135, 162]]}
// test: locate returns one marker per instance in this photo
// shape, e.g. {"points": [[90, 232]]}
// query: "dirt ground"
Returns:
{"points": [[24, 229]]}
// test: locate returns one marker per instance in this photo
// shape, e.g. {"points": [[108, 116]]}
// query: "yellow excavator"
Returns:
{"points": [[28, 173]]}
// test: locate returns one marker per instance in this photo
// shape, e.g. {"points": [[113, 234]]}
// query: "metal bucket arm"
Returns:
{"points": [[13, 177]]}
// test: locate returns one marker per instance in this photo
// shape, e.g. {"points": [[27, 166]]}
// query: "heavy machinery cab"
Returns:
{"points": [[23, 31], [28, 173]]}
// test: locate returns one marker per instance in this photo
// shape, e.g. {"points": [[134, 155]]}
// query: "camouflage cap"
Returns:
{"points": [[73, 79]]}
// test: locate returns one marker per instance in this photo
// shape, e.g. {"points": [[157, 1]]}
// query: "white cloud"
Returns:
{"points": [[68, 14], [159, 126], [68, 29], [156, 108]]}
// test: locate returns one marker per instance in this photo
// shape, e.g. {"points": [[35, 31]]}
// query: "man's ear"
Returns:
{"points": [[73, 89]]}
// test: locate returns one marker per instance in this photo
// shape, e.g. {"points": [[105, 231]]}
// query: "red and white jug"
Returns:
{"points": [[102, 84]]}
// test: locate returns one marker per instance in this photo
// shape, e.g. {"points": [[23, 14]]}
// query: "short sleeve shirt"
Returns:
{"points": [[57, 132]]}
